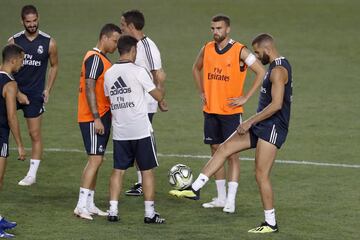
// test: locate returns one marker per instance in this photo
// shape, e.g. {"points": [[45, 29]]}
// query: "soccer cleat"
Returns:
{"points": [[93, 210], [186, 193], [135, 190], [154, 220], [5, 225], [4, 234], [82, 212], [215, 203], [27, 181], [113, 216], [264, 228], [229, 207]]}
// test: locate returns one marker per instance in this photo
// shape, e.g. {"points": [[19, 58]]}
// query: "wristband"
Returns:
{"points": [[96, 115]]}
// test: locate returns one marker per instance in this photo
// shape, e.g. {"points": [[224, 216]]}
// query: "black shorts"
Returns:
{"points": [[217, 128], [143, 150], [95, 144], [35, 108], [4, 142], [272, 134]]}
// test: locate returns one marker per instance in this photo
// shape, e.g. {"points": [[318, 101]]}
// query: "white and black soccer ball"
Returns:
{"points": [[180, 176]]}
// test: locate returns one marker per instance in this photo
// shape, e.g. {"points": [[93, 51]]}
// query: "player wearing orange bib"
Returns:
{"points": [[94, 116], [219, 72]]}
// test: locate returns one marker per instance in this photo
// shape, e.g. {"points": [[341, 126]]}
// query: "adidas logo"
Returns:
{"points": [[119, 87]]}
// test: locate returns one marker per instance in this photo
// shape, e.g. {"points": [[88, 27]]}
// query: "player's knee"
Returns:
{"points": [[261, 176], [35, 136]]}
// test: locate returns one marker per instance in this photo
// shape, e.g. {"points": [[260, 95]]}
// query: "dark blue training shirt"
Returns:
{"points": [[282, 117], [4, 79], [31, 77]]}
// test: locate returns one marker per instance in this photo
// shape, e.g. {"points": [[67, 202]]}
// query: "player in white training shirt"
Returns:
{"points": [[126, 85], [148, 56]]}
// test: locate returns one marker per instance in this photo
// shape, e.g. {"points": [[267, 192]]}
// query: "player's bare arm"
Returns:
{"points": [[197, 74], [259, 71], [91, 99], [158, 94], [54, 65], [9, 93], [21, 97], [159, 77], [278, 78]]}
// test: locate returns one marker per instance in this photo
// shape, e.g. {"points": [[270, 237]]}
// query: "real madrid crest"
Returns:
{"points": [[40, 49]]}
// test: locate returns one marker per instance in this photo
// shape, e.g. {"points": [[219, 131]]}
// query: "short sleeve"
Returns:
{"points": [[93, 67], [145, 80]]}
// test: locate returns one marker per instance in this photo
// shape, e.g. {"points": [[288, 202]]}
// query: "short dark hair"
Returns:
{"points": [[11, 51], [125, 44], [135, 17], [221, 17], [108, 29], [28, 9], [262, 37]]}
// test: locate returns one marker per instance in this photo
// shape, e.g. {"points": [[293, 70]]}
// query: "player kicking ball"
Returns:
{"points": [[126, 84], [12, 56], [266, 131]]}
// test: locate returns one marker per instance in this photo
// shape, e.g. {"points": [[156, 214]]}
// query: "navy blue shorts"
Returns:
{"points": [[35, 108], [4, 142], [143, 150], [95, 144], [217, 128], [272, 134]]}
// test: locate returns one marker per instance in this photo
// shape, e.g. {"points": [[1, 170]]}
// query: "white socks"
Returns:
{"points": [[149, 209], [139, 177], [200, 182], [34, 165], [232, 189], [113, 206], [83, 196], [90, 199], [270, 217], [221, 189]]}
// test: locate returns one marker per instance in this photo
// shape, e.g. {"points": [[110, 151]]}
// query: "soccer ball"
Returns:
{"points": [[180, 176]]}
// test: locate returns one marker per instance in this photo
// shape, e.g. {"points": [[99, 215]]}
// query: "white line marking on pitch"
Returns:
{"points": [[207, 157]]}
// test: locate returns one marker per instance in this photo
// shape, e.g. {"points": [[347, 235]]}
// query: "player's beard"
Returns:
{"points": [[265, 59], [218, 38], [31, 30]]}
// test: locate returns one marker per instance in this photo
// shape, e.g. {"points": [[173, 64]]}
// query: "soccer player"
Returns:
{"points": [[12, 60], [219, 72], [266, 131], [126, 84], [40, 49], [94, 116], [148, 56]]}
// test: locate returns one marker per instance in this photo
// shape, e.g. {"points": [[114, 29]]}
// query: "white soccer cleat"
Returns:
{"points": [[27, 181], [82, 212], [93, 210], [229, 207], [215, 203]]}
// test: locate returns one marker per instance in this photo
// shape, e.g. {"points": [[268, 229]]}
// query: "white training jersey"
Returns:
{"points": [[125, 85], [148, 56]]}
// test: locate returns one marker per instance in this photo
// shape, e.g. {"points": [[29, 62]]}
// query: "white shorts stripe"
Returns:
{"points": [[152, 138], [273, 135], [3, 150]]}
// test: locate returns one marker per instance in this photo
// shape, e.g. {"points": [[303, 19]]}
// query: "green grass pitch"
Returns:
{"points": [[320, 39]]}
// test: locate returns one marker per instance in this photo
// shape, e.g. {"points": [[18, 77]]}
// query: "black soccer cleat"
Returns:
{"points": [[135, 190], [155, 220], [113, 217]]}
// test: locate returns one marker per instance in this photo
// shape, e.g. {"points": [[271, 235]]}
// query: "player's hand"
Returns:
{"points": [[163, 106], [22, 153], [46, 96], [99, 126], [22, 98], [237, 101], [243, 127], [203, 98]]}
